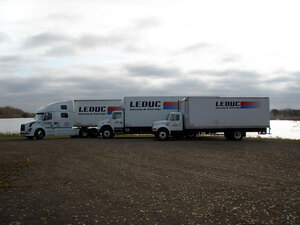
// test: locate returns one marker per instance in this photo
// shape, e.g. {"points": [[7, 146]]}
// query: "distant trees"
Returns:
{"points": [[285, 114], [10, 112]]}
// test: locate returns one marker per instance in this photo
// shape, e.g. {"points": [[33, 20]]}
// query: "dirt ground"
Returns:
{"points": [[207, 180]]}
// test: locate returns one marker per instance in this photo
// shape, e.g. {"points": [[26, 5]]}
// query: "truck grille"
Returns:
{"points": [[23, 127]]}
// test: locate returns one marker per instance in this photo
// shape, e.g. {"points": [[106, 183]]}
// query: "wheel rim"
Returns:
{"points": [[40, 134], [84, 133], [162, 135], [237, 135], [106, 133]]}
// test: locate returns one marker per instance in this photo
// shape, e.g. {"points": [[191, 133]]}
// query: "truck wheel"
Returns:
{"points": [[93, 133], [83, 133], [107, 133], [228, 135], [237, 135], [163, 134], [39, 134]]}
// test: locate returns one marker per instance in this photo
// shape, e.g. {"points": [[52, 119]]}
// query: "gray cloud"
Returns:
{"points": [[34, 91], [68, 44], [62, 17], [61, 51], [197, 47], [91, 40], [230, 58], [45, 40], [13, 64], [6, 59], [152, 71], [233, 73], [4, 37], [146, 23]]}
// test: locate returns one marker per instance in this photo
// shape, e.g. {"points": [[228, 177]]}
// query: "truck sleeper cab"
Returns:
{"points": [[53, 120]]}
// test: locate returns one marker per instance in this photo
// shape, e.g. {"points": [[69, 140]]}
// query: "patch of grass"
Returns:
{"points": [[9, 135], [9, 170], [4, 185]]}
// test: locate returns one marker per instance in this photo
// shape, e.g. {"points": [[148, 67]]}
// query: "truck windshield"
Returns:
{"points": [[116, 115], [39, 116]]}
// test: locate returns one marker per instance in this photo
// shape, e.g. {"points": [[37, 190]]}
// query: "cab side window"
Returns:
{"points": [[64, 115], [117, 116], [64, 107], [174, 117], [48, 116]]}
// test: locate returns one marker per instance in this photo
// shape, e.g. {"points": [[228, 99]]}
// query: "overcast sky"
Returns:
{"points": [[93, 49]]}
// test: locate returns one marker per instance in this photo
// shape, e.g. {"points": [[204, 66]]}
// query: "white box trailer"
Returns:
{"points": [[74, 118], [232, 115], [138, 115], [87, 113]]}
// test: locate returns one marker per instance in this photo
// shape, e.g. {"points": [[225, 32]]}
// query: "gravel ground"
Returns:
{"points": [[207, 180]]}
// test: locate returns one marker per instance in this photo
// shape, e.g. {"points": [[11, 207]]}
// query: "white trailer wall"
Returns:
{"points": [[87, 113], [222, 112], [142, 111]]}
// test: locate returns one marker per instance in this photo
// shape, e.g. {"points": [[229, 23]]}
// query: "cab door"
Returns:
{"points": [[50, 124], [117, 120], [56, 124], [176, 122], [65, 125]]}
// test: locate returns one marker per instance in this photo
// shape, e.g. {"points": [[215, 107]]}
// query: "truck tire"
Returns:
{"points": [[39, 134], [237, 135], [228, 135], [107, 132], [162, 134], [83, 133], [93, 133]]}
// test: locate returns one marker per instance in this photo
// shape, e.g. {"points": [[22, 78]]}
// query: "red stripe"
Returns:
{"points": [[249, 103], [170, 103], [114, 108]]}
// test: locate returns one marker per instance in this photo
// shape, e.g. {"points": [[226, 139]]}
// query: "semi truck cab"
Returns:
{"points": [[53, 120]]}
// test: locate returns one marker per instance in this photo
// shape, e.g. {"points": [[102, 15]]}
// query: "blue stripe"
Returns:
{"points": [[171, 107], [249, 106]]}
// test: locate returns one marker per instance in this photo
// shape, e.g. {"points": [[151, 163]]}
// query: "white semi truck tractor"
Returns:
{"points": [[233, 116], [71, 118], [137, 115]]}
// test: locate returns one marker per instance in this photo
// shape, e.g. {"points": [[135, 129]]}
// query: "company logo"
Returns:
{"points": [[110, 109], [152, 105], [97, 110], [237, 105], [170, 105], [145, 104], [92, 109]]}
